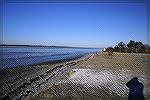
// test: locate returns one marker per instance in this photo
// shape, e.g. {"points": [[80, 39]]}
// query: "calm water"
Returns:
{"points": [[22, 56]]}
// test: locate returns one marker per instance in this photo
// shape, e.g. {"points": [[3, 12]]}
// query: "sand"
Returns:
{"points": [[101, 77], [22, 82], [97, 76]]}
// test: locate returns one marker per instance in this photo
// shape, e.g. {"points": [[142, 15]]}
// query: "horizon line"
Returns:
{"points": [[35, 45]]}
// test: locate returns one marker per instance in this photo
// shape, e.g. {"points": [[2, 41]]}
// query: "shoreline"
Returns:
{"points": [[101, 77], [41, 79], [29, 73]]}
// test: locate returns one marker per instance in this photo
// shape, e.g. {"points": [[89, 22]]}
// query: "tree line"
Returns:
{"points": [[131, 47]]}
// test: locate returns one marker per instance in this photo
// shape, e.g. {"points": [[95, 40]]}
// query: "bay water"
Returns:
{"points": [[12, 56]]}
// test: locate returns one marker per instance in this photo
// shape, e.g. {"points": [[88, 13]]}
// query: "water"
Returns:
{"points": [[23, 56]]}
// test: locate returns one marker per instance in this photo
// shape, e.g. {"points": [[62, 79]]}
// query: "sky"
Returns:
{"points": [[74, 24]]}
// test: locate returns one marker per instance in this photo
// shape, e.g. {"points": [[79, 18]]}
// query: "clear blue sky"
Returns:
{"points": [[74, 24]]}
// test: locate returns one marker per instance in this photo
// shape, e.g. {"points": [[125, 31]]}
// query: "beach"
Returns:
{"points": [[18, 82], [95, 76]]}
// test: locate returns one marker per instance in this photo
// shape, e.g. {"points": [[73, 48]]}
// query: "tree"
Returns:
{"points": [[140, 47], [116, 48], [131, 46], [136, 47], [147, 49], [122, 46], [110, 50]]}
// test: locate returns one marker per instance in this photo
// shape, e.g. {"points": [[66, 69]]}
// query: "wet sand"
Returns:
{"points": [[101, 77], [22, 82]]}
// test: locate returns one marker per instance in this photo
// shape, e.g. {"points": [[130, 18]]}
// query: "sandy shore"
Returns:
{"points": [[99, 77], [22, 82]]}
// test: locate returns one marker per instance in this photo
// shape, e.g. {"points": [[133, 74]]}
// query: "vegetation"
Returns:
{"points": [[110, 50], [131, 47]]}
